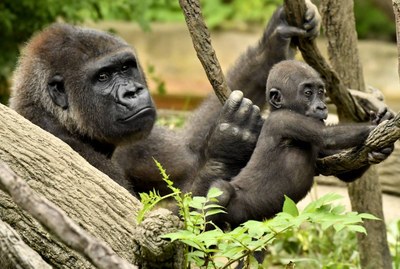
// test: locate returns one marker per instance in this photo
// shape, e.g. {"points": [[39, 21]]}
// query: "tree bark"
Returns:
{"points": [[14, 253], [365, 193], [396, 10], [202, 45], [89, 197]]}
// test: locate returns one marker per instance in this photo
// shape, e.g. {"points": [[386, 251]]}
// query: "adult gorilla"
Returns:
{"points": [[87, 87]]}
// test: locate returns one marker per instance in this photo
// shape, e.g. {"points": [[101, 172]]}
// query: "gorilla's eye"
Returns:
{"points": [[103, 77], [307, 92], [125, 68], [321, 91]]}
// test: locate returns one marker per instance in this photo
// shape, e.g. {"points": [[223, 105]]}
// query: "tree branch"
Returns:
{"points": [[349, 106], [90, 198], [202, 44], [57, 222], [14, 253], [383, 136], [396, 10]]}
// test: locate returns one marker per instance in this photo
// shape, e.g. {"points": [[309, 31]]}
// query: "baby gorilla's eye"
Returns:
{"points": [[102, 77], [308, 93], [125, 68]]}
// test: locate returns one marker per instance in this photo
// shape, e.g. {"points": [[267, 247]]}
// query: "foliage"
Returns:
{"points": [[394, 242], [221, 12], [20, 19], [372, 22], [215, 248]]}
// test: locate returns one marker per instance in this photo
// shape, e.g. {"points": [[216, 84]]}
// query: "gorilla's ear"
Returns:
{"points": [[275, 98], [57, 92]]}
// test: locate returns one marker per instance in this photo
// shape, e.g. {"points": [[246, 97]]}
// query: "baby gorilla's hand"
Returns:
{"points": [[232, 141], [377, 156]]}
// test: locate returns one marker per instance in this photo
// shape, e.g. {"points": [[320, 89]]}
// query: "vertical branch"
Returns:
{"points": [[365, 193], [396, 9], [202, 44]]}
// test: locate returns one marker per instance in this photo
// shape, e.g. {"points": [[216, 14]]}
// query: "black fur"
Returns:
{"points": [[184, 157], [283, 162], [87, 88]]}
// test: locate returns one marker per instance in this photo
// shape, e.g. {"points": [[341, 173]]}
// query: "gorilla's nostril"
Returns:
{"points": [[129, 95]]}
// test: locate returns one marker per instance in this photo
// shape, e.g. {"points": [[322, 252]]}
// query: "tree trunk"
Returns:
{"points": [[365, 193], [89, 197]]}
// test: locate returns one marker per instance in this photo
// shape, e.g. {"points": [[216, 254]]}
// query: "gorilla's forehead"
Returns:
{"points": [[74, 45]]}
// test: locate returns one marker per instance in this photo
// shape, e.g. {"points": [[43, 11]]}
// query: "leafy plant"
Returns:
{"points": [[394, 242], [215, 248]]}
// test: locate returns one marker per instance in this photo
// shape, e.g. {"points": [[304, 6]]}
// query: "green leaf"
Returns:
{"points": [[357, 228], [214, 212], [327, 198], [290, 207], [368, 216], [214, 193]]}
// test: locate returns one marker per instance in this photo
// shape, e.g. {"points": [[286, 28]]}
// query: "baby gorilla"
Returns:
{"points": [[284, 160]]}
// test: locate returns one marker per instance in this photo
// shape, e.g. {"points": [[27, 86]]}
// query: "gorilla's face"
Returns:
{"points": [[105, 94], [118, 94]]}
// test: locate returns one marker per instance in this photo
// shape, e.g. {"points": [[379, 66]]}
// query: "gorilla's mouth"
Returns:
{"points": [[145, 111]]}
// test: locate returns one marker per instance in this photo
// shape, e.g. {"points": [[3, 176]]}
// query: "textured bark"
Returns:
{"points": [[14, 253], [202, 44], [90, 198], [382, 136], [396, 10], [365, 193], [58, 223]]}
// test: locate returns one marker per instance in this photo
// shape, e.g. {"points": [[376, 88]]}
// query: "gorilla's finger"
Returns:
{"points": [[387, 150], [312, 20], [244, 112], [232, 105], [256, 120], [291, 31], [376, 157], [384, 114]]}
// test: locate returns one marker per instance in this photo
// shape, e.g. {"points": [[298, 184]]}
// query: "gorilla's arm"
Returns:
{"points": [[250, 71], [374, 157], [227, 148], [181, 152], [230, 142]]}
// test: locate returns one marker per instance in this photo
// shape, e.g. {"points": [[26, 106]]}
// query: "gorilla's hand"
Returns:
{"points": [[381, 115], [232, 141], [310, 28], [227, 191], [376, 157], [378, 117]]}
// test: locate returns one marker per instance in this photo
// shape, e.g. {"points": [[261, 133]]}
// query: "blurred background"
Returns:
{"points": [[178, 83], [176, 78], [157, 29]]}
